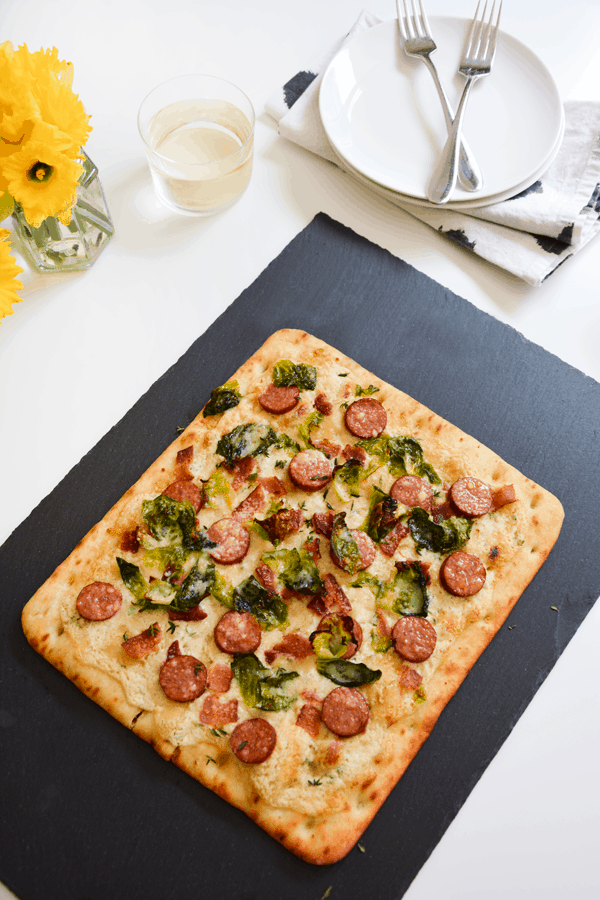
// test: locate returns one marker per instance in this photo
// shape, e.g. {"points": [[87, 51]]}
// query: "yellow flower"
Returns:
{"points": [[9, 283], [17, 103], [43, 180], [55, 103]]}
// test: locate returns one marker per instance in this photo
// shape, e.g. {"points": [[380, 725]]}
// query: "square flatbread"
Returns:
{"points": [[295, 656]]}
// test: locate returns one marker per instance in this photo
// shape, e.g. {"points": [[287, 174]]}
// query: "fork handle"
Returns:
{"points": [[469, 174], [445, 172]]}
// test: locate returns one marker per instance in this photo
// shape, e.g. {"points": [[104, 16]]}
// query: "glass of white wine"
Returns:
{"points": [[198, 131]]}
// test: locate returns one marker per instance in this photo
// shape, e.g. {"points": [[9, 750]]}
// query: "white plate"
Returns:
{"points": [[382, 115], [474, 201]]}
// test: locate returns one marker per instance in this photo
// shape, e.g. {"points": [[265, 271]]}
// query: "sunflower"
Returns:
{"points": [[43, 180], [9, 283], [56, 104]]}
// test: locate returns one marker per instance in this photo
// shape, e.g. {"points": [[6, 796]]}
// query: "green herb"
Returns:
{"points": [[346, 673], [442, 537], [287, 374], [125, 636], [280, 464], [171, 627], [365, 392], [297, 570], [222, 398], [259, 686], [361, 848], [344, 405], [252, 478], [198, 668], [243, 744], [342, 374], [408, 591], [269, 609], [349, 476], [180, 429], [344, 545], [554, 608], [210, 759], [214, 732], [312, 421], [326, 894], [152, 631], [315, 782], [251, 439], [285, 442]]}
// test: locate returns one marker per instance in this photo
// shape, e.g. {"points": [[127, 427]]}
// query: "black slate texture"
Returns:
{"points": [[90, 812]]}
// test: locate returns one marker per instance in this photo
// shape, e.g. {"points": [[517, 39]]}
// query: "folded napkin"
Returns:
{"points": [[531, 234]]}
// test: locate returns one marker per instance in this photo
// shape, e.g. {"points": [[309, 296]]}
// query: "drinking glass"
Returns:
{"points": [[198, 132]]}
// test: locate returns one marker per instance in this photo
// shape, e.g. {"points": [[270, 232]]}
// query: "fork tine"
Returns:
{"points": [[424, 21], [410, 19], [402, 20], [468, 51], [494, 36]]}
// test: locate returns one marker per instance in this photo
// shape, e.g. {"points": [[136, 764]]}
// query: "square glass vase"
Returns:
{"points": [[54, 247]]}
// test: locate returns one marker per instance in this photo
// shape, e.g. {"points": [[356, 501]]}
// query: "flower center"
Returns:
{"points": [[40, 172]]}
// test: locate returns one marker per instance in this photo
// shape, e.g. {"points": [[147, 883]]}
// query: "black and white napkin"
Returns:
{"points": [[531, 234]]}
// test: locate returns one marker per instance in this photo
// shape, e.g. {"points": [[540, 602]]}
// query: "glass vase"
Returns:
{"points": [[54, 247]]}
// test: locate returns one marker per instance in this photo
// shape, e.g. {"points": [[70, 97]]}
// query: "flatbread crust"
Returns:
{"points": [[314, 795]]}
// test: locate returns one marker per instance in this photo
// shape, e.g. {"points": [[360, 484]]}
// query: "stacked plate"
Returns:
{"points": [[384, 119]]}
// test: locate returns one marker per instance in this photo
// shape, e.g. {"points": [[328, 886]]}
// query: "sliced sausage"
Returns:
{"points": [[324, 405], [471, 497], [183, 678], [237, 632], [366, 549], [186, 490], [253, 503], [366, 418], [279, 400], [414, 638], [232, 541], [345, 712], [98, 601], [310, 470], [462, 574], [142, 644], [412, 491], [332, 622], [253, 741]]}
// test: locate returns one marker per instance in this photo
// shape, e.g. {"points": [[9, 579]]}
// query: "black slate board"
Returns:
{"points": [[89, 811]]}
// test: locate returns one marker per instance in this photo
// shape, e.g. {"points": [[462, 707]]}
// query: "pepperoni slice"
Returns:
{"points": [[345, 712], [183, 678], [471, 497], [412, 491], [98, 601], [414, 638], [279, 400], [232, 541], [237, 632], [462, 574], [186, 490], [366, 418], [142, 644], [310, 470], [366, 548], [253, 741]]}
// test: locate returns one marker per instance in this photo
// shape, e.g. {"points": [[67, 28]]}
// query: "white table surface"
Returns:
{"points": [[81, 349]]}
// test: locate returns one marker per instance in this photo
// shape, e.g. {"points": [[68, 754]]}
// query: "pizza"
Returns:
{"points": [[286, 600]]}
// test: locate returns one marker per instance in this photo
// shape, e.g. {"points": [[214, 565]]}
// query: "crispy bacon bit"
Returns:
{"points": [[409, 678], [242, 468], [333, 753], [312, 697], [282, 523], [253, 503], [383, 626], [195, 614], [351, 452], [286, 594], [309, 718], [301, 410], [323, 523], [330, 450], [502, 496], [142, 644], [323, 405], [389, 544], [219, 678], [182, 463], [333, 598], [297, 646], [314, 548], [266, 576], [494, 553], [217, 713], [173, 650], [274, 486], [318, 606], [130, 542]]}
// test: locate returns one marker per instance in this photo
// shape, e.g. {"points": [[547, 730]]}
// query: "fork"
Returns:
{"points": [[417, 41], [476, 63]]}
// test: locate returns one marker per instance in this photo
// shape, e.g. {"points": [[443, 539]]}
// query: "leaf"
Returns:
{"points": [[133, 579], [365, 392], [312, 420], [344, 546], [287, 374], [442, 537], [222, 398], [409, 590], [346, 673], [297, 570], [259, 686], [269, 609], [251, 439]]}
